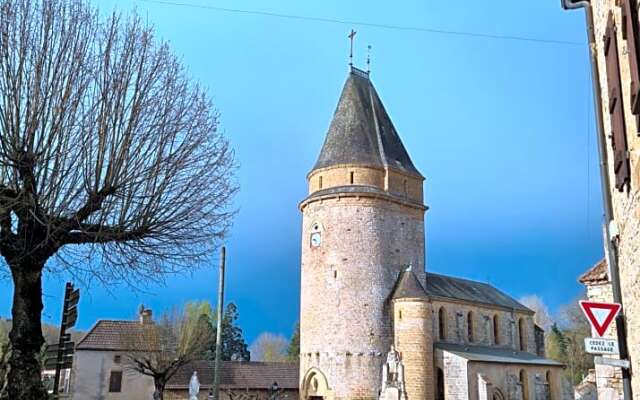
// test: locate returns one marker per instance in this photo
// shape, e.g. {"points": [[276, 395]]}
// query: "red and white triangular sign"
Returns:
{"points": [[600, 315]]}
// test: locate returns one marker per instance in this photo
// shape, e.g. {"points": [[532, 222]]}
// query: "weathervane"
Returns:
{"points": [[368, 59], [351, 35]]}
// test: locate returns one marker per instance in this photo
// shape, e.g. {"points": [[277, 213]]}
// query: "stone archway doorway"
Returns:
{"points": [[315, 386]]}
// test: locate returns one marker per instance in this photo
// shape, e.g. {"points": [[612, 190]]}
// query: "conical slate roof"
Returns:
{"points": [[408, 286], [361, 131]]}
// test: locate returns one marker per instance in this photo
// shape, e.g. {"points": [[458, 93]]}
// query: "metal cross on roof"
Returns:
{"points": [[351, 35]]}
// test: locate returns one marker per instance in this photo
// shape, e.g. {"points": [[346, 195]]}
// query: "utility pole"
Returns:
{"points": [[216, 374]]}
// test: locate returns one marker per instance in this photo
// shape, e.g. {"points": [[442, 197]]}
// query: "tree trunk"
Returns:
{"points": [[159, 384], [24, 380]]}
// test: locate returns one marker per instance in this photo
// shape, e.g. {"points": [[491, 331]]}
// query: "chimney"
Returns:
{"points": [[145, 315]]}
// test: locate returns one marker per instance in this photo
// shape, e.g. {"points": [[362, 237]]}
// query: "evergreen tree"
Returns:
{"points": [[293, 351], [234, 347]]}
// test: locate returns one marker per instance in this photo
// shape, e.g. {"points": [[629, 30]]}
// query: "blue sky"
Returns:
{"points": [[502, 129]]}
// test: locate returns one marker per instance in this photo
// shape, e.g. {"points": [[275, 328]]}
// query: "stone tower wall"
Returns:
{"points": [[393, 181], [412, 334], [345, 321]]}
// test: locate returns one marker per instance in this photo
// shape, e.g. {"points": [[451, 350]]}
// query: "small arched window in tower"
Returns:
{"points": [[406, 187], [320, 182], [351, 177], [496, 329], [400, 315], [525, 384], [470, 326], [522, 334], [442, 324]]}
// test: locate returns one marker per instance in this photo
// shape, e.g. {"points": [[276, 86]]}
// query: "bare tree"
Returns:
{"points": [[542, 316], [162, 348], [270, 347], [111, 163]]}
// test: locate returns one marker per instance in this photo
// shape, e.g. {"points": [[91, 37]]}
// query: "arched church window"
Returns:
{"points": [[320, 182], [442, 324], [351, 177], [470, 326], [525, 384], [496, 329], [522, 334]]}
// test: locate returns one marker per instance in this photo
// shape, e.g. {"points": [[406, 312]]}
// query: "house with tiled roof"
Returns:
{"points": [[99, 370], [98, 365]]}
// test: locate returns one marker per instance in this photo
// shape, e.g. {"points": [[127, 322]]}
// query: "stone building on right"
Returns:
{"points": [[614, 41]]}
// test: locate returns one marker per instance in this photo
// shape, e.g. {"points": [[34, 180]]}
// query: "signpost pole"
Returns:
{"points": [[68, 320], [61, 339]]}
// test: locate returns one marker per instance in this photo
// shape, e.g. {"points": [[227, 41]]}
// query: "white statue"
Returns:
{"points": [[194, 386], [392, 387]]}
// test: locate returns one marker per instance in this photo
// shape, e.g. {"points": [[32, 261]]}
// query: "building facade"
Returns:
{"points": [[374, 324], [614, 43]]}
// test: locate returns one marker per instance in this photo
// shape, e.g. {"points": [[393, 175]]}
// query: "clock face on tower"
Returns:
{"points": [[316, 239]]}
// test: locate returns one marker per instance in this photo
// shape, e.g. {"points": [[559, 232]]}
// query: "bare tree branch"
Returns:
{"points": [[111, 159]]}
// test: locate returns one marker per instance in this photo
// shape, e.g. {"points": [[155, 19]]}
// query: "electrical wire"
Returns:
{"points": [[369, 24]]}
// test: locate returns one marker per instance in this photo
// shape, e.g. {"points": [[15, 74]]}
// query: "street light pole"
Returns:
{"points": [[216, 374]]}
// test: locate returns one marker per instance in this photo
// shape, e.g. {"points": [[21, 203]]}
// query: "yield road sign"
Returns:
{"points": [[600, 315], [601, 346]]}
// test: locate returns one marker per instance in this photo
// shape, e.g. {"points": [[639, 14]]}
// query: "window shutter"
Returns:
{"points": [[616, 109], [630, 34], [115, 382]]}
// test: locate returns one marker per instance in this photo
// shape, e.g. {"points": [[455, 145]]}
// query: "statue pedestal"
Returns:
{"points": [[392, 393]]}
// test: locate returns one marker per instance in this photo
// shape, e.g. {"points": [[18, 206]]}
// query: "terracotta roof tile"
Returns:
{"points": [[599, 273], [239, 375], [112, 335]]}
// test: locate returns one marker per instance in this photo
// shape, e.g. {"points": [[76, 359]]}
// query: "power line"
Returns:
{"points": [[370, 24]]}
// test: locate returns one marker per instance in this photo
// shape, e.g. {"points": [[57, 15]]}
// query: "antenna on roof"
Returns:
{"points": [[368, 59], [351, 35]]}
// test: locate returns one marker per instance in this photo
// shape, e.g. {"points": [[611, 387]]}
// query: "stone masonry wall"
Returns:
{"points": [[541, 382], [412, 334], [608, 379], [626, 204], [456, 329], [345, 321], [393, 181]]}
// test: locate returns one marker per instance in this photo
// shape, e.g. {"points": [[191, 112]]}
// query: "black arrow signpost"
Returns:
{"points": [[63, 351]]}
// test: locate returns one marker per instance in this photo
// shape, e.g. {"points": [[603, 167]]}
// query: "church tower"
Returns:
{"points": [[363, 223]]}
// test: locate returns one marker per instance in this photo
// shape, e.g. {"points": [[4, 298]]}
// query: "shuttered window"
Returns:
{"points": [[630, 34], [616, 109], [115, 382]]}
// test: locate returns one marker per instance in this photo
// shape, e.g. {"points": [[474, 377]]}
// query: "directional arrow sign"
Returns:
{"points": [[600, 315]]}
